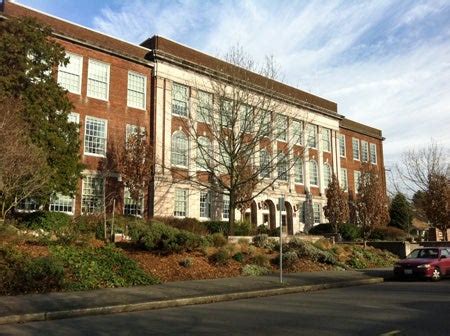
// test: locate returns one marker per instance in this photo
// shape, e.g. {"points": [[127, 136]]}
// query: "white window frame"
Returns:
{"points": [[174, 84], [225, 207], [299, 178], [311, 133], [89, 93], [205, 204], [264, 170], [201, 106], [281, 125], [186, 154], [357, 148], [326, 139], [344, 179], [342, 149], [129, 201], [106, 136], [62, 68], [297, 132], [373, 153], [356, 177], [59, 200], [129, 102], [75, 116], [202, 161], [311, 164], [364, 151], [317, 211], [101, 205], [327, 168], [185, 203], [282, 159]]}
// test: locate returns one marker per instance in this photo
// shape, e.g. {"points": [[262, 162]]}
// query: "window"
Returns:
{"points": [[226, 207], [98, 80], [313, 173], [355, 146], [326, 174], [131, 207], [205, 204], [136, 90], [205, 104], [179, 149], [316, 213], [344, 179], [181, 203], [364, 151], [298, 168], [281, 127], [357, 176], [226, 113], [92, 194], [373, 153], [326, 139], [342, 151], [311, 133], [282, 166], [61, 203], [266, 124], [180, 100], [73, 118], [28, 204], [95, 136], [69, 76], [297, 132], [245, 114], [203, 153], [264, 161], [133, 130]]}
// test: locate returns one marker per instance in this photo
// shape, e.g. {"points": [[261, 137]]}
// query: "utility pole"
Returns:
{"points": [[281, 207]]}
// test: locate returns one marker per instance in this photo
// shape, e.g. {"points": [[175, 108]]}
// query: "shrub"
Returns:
{"points": [[221, 257], [289, 259], [239, 257], [48, 221], [91, 268], [90, 225], [217, 227], [349, 232], [321, 229], [188, 224], [388, 233], [262, 229], [162, 238], [186, 262], [243, 228], [254, 270], [218, 239], [323, 244], [306, 249], [261, 240], [20, 274], [260, 260]]}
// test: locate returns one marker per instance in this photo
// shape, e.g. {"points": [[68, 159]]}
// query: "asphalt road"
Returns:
{"points": [[390, 308]]}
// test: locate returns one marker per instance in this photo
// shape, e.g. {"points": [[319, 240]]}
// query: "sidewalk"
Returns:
{"points": [[40, 307]]}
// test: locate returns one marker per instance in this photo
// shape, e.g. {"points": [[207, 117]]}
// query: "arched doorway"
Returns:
{"points": [[289, 218], [254, 214], [271, 215]]}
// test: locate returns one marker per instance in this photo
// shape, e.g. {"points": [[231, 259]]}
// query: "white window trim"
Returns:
{"points": [[345, 149], [66, 212], [188, 151], [362, 149], [145, 90], [374, 146], [318, 174], [107, 79], [277, 124], [188, 103], [359, 150], [80, 70], [303, 172], [186, 201], [344, 173], [355, 180], [95, 175], [209, 204], [76, 116], [106, 137], [324, 130]]}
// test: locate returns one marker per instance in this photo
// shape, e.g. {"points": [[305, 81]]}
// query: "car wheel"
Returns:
{"points": [[437, 275]]}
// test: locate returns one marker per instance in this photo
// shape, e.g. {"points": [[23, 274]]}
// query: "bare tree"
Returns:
{"points": [[23, 168], [416, 166], [336, 210], [235, 131], [371, 202]]}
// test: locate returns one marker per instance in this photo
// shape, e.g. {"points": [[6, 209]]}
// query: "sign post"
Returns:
{"points": [[281, 207]]}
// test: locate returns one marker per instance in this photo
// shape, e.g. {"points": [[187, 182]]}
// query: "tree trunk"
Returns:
{"points": [[232, 212]]}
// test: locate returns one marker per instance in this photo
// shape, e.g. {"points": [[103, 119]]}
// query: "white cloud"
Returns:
{"points": [[376, 59]]}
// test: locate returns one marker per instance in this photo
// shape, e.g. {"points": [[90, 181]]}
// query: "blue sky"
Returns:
{"points": [[386, 63]]}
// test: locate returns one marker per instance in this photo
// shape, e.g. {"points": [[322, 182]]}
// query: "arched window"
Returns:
{"points": [[203, 153], [326, 174], [299, 171], [179, 149], [313, 173]]}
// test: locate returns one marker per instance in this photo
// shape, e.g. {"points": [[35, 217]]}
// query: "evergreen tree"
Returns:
{"points": [[437, 202], [28, 59], [400, 212], [336, 210]]}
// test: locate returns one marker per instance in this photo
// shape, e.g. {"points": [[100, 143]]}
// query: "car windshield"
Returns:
{"points": [[424, 254]]}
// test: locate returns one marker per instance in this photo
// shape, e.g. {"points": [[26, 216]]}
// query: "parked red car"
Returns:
{"points": [[427, 262]]}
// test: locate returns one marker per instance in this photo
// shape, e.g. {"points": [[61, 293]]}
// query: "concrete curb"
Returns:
{"points": [[151, 305]]}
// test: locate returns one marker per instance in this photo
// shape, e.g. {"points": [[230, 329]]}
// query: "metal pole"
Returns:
{"points": [[281, 207], [112, 222]]}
